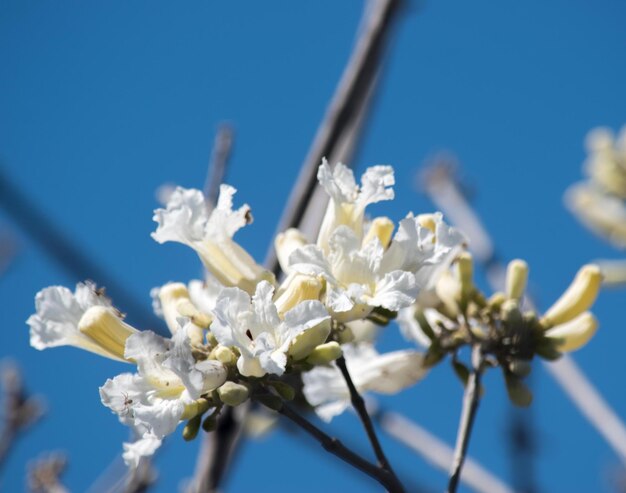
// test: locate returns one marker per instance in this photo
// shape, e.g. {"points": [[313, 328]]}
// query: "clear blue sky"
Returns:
{"points": [[102, 102]]}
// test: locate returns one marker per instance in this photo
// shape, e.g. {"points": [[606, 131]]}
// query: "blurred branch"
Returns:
{"points": [[220, 156], [438, 453], [44, 475], [75, 261], [21, 410], [8, 250], [339, 131]]}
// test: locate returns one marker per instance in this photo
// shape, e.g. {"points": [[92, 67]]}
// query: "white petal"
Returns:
{"points": [[142, 447], [184, 219], [339, 183], [376, 185], [396, 290]]}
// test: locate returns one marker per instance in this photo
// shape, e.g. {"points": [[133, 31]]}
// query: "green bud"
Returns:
{"points": [[433, 356], [519, 393], [345, 335], [210, 423], [511, 313], [465, 268], [190, 431], [496, 300], [325, 353], [283, 389], [233, 394], [547, 349], [516, 278]]}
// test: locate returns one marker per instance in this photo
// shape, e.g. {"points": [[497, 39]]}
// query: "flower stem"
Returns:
{"points": [[468, 415], [334, 446], [359, 406]]}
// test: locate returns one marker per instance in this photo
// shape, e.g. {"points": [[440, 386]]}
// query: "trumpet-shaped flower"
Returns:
{"points": [[164, 390], [263, 338], [347, 200], [361, 277], [84, 319], [326, 390], [186, 220]]}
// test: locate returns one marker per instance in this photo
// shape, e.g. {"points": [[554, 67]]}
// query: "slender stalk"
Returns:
{"points": [[334, 446], [468, 415], [359, 405]]}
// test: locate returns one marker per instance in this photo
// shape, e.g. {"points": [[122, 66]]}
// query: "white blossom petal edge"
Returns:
{"points": [[186, 220]]}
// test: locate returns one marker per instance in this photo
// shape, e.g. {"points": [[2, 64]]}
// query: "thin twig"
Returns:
{"points": [[468, 415], [337, 448], [359, 405], [338, 132], [21, 411]]}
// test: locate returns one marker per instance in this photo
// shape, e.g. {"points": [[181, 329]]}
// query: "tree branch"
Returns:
{"points": [[359, 405], [334, 446], [468, 415]]}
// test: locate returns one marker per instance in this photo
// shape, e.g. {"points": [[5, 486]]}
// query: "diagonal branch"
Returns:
{"points": [[334, 446], [468, 415], [359, 405]]}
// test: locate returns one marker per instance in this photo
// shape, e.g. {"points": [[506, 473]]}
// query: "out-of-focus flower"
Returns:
{"points": [[84, 319], [264, 339], [326, 390], [164, 391], [187, 220]]}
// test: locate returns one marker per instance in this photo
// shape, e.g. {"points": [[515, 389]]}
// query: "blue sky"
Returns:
{"points": [[102, 102]]}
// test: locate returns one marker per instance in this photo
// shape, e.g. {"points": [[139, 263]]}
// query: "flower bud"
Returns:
{"points": [[190, 431], [106, 329], [427, 221], [516, 278], [295, 289], [307, 341], [576, 299], [325, 353], [285, 244], [233, 394], [195, 408], [520, 367], [381, 228], [511, 313], [519, 393], [283, 389], [224, 355], [574, 334]]}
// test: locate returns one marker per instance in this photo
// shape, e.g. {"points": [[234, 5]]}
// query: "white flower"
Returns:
{"points": [[326, 390], [84, 319], [347, 200], [163, 391], [606, 162], [604, 214], [264, 339], [143, 446], [187, 220]]}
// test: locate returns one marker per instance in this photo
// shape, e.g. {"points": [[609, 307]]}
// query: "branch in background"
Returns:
{"points": [[8, 250], [142, 478], [220, 156], [438, 453], [44, 475], [71, 258], [468, 415], [339, 131], [21, 411]]}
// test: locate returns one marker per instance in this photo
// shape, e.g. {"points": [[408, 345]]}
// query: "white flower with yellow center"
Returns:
{"points": [[186, 220], [363, 276], [84, 319], [347, 200], [264, 339], [326, 390], [164, 390]]}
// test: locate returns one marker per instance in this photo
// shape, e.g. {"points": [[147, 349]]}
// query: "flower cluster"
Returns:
{"points": [[241, 334]]}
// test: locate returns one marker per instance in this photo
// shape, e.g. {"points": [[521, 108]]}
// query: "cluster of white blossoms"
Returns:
{"points": [[240, 334], [599, 201]]}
